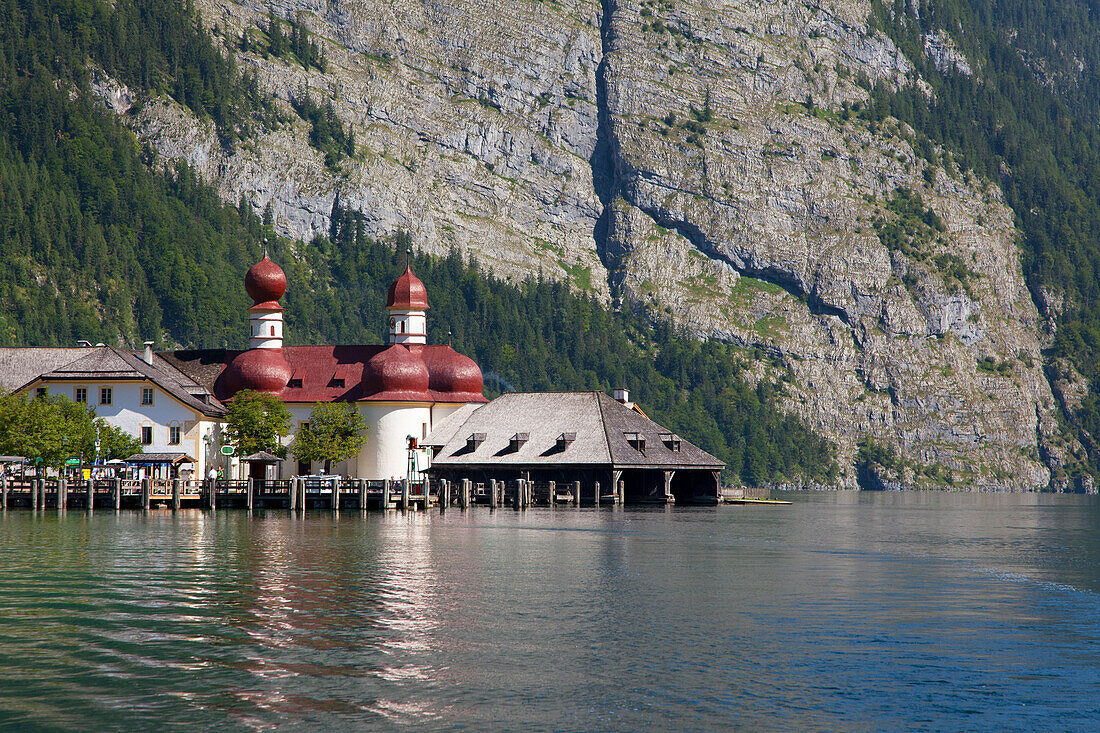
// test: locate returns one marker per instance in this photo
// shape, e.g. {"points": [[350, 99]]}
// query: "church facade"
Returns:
{"points": [[401, 389]]}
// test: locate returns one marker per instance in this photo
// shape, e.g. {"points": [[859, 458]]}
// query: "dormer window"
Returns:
{"points": [[518, 440], [671, 441], [565, 439], [337, 382], [636, 440], [474, 440], [295, 383]]}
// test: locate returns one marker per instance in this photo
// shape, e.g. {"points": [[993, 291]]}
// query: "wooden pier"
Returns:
{"points": [[297, 494]]}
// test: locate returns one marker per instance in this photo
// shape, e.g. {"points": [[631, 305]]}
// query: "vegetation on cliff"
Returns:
{"points": [[96, 245], [1026, 118]]}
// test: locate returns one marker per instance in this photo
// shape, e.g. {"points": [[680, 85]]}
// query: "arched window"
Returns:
{"points": [[272, 329]]}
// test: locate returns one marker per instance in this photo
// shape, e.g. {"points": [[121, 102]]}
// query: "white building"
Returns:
{"points": [[175, 401]]}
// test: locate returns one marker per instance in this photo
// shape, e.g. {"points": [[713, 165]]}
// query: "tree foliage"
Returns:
{"points": [[257, 421], [336, 432], [48, 430]]}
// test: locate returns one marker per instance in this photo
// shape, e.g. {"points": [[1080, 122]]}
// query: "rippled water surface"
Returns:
{"points": [[841, 612]]}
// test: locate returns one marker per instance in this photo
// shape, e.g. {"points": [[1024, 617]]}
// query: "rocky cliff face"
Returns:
{"points": [[703, 158]]}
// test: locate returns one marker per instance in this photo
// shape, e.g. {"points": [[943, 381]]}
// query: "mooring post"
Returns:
{"points": [[34, 493], [336, 494], [596, 490], [386, 494], [250, 491], [3, 492], [361, 487], [90, 489], [492, 493], [404, 494], [292, 495], [576, 493], [176, 494], [445, 499], [116, 494], [146, 492], [62, 494], [464, 494]]}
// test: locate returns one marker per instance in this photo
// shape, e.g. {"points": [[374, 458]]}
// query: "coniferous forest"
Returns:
{"points": [[99, 243], [135, 253]]}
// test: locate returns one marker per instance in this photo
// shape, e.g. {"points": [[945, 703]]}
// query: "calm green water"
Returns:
{"points": [[842, 612]]}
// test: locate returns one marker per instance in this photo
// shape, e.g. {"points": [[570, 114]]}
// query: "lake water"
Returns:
{"points": [[844, 611]]}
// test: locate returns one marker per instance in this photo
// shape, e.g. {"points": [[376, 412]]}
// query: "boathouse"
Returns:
{"points": [[606, 444]]}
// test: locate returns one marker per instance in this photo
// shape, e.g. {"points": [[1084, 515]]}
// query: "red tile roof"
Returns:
{"points": [[451, 377]]}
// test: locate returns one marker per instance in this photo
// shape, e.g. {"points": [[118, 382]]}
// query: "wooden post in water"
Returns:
{"points": [[116, 494], [492, 493], [34, 493], [3, 492], [404, 495], [464, 494], [596, 493], [176, 488], [576, 493], [292, 498], [250, 493], [146, 492], [386, 494], [335, 495], [553, 493], [90, 494], [62, 494], [361, 486], [445, 498]]}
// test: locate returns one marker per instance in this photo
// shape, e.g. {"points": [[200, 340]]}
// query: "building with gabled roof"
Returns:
{"points": [[175, 401], [140, 393], [573, 436]]}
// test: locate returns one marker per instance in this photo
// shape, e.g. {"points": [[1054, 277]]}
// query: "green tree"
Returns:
{"points": [[48, 430], [336, 432], [255, 421]]}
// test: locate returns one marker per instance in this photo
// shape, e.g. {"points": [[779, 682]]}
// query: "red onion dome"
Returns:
{"points": [[407, 292], [264, 370], [265, 281], [452, 373], [396, 373]]}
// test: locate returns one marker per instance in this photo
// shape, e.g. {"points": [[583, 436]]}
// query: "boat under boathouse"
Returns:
{"points": [[608, 445]]}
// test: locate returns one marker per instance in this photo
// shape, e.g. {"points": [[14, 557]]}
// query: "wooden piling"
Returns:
{"points": [[553, 494], [445, 498], [464, 494], [89, 502], [335, 495], [116, 494], [386, 494], [62, 494], [34, 493], [176, 494], [250, 493], [361, 486], [576, 493], [146, 493], [492, 493], [596, 493], [404, 495], [3, 492]]}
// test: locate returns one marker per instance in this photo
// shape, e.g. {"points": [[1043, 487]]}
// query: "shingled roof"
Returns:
{"points": [[561, 428], [109, 363], [19, 366]]}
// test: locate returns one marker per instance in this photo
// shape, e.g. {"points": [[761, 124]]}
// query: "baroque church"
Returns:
{"points": [[174, 401]]}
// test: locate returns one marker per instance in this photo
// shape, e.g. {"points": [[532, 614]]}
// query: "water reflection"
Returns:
{"points": [[842, 611]]}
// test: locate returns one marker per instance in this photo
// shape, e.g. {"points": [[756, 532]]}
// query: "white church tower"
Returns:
{"points": [[407, 303]]}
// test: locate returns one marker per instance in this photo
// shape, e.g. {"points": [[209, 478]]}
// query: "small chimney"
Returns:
{"points": [[148, 355], [621, 394]]}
